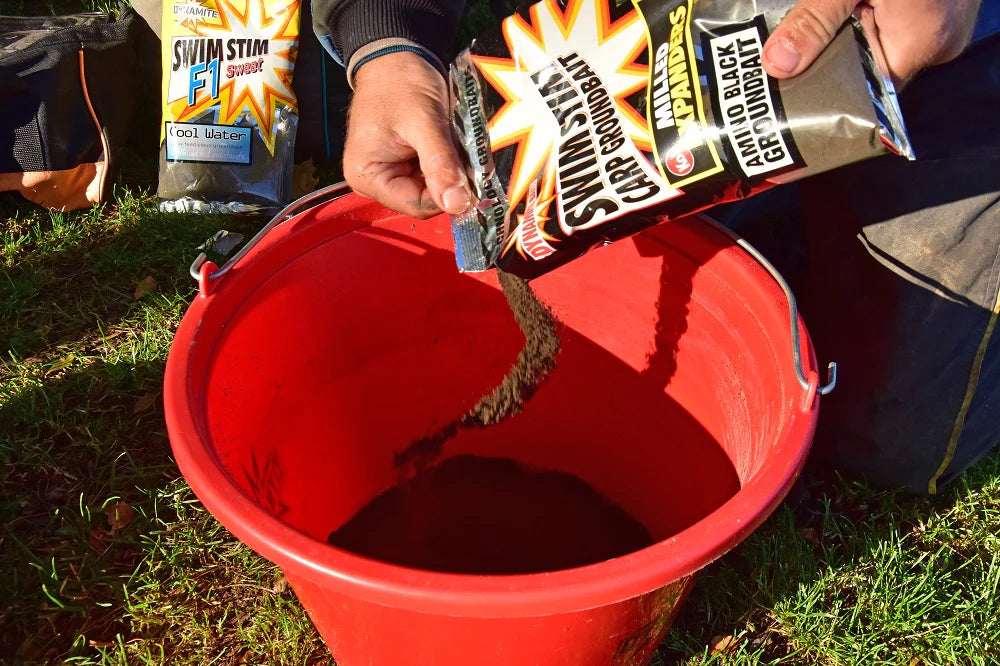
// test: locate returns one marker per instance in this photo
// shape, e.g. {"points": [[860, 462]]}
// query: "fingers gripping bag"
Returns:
{"points": [[585, 121], [229, 112]]}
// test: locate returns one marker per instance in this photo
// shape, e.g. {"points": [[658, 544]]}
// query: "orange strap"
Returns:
{"points": [[103, 173]]}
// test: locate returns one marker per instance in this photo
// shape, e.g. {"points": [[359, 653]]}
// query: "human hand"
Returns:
{"points": [[399, 148], [913, 33]]}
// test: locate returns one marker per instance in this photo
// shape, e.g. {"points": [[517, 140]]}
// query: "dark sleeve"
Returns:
{"points": [[353, 23]]}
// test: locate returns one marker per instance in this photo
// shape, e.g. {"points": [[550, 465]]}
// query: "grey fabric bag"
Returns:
{"points": [[898, 277]]}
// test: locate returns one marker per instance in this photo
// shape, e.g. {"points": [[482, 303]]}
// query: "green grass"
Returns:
{"points": [[853, 576], [857, 577], [55, 7], [80, 383], [107, 557]]}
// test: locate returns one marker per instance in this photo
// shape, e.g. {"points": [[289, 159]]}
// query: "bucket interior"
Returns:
{"points": [[672, 388]]}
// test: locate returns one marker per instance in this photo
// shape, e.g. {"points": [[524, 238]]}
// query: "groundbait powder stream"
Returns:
{"points": [[585, 121], [534, 362]]}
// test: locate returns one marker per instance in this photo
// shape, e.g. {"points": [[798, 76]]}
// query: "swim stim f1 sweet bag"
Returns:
{"points": [[229, 111], [585, 121]]}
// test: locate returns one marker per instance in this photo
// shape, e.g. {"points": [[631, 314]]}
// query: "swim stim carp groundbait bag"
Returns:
{"points": [[587, 120], [229, 111]]}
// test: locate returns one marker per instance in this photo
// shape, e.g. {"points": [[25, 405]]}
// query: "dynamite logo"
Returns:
{"points": [[193, 11], [530, 240]]}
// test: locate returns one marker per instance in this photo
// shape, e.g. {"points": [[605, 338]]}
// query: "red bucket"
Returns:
{"points": [[345, 333]]}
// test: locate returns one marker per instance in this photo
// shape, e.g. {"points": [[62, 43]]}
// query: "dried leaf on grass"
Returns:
{"points": [[119, 515], [810, 535], [96, 540], [145, 402], [722, 644], [146, 286], [61, 364]]}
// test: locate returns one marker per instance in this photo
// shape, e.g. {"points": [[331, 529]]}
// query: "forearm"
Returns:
{"points": [[354, 24]]}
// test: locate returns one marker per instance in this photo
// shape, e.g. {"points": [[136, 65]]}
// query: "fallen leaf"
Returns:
{"points": [[145, 402], [32, 651], [810, 535], [96, 540], [61, 364], [119, 515], [722, 644], [280, 585], [147, 286], [112, 335]]}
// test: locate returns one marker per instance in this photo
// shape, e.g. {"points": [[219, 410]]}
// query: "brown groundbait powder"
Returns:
{"points": [[534, 362], [491, 516]]}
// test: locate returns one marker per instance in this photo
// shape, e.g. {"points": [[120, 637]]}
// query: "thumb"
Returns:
{"points": [[440, 164], [803, 34]]}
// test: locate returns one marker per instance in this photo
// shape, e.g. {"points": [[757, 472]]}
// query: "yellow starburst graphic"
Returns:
{"points": [[254, 75], [525, 120]]}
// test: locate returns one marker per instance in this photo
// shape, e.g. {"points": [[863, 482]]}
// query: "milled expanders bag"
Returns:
{"points": [[585, 121], [229, 112]]}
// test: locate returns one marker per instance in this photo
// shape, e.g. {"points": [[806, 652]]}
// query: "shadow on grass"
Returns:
{"points": [[76, 445], [88, 490], [106, 554], [81, 415], [82, 270]]}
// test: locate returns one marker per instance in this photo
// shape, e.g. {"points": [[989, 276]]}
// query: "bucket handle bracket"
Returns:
{"points": [[809, 384], [204, 280]]}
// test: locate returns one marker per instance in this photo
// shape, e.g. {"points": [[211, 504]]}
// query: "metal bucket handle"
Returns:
{"points": [[204, 272], [198, 267], [810, 384]]}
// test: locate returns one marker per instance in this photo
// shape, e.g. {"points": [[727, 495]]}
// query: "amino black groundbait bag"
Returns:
{"points": [[585, 121], [69, 86], [229, 110]]}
